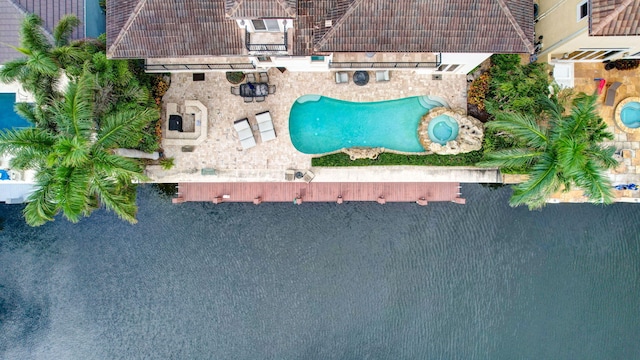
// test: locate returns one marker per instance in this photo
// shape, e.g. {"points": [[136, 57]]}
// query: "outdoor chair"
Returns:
{"points": [[264, 77], [272, 89], [259, 98], [244, 133], [611, 93], [250, 77], [248, 99], [265, 125], [382, 75], [308, 176], [289, 174], [342, 77], [235, 90]]}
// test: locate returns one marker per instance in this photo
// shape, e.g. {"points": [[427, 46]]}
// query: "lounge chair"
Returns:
{"points": [[272, 89], [248, 99], [611, 93], [259, 98], [244, 133], [265, 125], [264, 77], [289, 174], [382, 75], [308, 176], [250, 77], [342, 77], [235, 90]]}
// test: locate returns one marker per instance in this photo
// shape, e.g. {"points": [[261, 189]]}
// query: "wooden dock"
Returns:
{"points": [[299, 192]]}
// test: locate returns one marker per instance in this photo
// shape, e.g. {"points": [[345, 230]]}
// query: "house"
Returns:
{"points": [[435, 36], [588, 30]]}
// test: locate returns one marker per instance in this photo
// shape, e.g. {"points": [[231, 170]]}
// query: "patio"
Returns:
{"points": [[628, 143], [267, 162]]}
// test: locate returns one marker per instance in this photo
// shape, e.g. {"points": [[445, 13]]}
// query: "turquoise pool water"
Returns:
{"points": [[95, 19], [8, 117], [630, 115], [319, 124], [443, 129]]}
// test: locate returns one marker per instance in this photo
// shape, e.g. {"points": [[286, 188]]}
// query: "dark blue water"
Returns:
{"points": [[8, 117], [325, 281]]}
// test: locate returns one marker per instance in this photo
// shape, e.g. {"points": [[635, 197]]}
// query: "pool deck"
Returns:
{"points": [[627, 143], [267, 162]]}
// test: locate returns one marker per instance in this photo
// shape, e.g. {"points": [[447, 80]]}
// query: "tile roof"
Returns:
{"points": [[254, 9], [160, 28], [615, 18], [504, 26], [12, 13]]}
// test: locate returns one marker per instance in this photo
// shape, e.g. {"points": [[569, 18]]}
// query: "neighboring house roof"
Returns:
{"points": [[254, 9], [615, 18], [159, 28], [12, 13]]}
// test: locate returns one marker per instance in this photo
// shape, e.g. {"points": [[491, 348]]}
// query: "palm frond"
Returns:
{"points": [[570, 155], [40, 140], [73, 151], [63, 30], [124, 126], [596, 185], [541, 184], [73, 194], [122, 201], [508, 158], [74, 115], [31, 34], [41, 205], [40, 63], [523, 127], [13, 70]]}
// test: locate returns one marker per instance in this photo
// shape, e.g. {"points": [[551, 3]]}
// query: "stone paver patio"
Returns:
{"points": [[268, 161]]}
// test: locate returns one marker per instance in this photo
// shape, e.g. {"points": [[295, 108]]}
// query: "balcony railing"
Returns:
{"points": [[265, 48], [197, 67], [386, 65]]}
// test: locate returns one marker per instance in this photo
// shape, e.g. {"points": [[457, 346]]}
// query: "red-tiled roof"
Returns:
{"points": [[160, 28], [424, 26], [254, 9], [615, 18]]}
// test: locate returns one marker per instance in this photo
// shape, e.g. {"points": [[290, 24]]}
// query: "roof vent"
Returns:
{"points": [[328, 23]]}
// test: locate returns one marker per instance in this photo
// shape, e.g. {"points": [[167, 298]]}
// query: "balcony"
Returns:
{"points": [[266, 43]]}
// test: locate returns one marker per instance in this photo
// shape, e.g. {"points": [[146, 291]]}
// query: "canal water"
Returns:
{"points": [[325, 281]]}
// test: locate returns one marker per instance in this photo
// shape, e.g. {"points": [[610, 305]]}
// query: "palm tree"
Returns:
{"points": [[77, 171], [566, 152], [40, 68]]}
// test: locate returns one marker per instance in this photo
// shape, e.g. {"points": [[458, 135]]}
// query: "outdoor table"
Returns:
{"points": [[361, 78], [254, 89]]}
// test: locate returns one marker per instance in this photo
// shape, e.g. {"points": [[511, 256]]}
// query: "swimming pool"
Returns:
{"points": [[8, 117], [319, 124]]}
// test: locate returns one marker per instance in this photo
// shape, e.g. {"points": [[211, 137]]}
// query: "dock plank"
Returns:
{"points": [[317, 192]]}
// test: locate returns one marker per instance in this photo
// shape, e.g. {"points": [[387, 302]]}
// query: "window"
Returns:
{"points": [[266, 25], [583, 9]]}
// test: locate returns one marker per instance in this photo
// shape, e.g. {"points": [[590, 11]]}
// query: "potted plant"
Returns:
{"points": [[622, 64], [235, 77]]}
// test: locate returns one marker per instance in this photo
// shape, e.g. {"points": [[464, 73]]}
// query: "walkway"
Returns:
{"points": [[318, 192]]}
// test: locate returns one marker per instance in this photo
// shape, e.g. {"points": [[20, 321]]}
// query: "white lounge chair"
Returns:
{"points": [[382, 75], [244, 133], [308, 176], [265, 124], [342, 77]]}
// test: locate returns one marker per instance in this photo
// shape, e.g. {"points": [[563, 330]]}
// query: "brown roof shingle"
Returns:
{"points": [[424, 26], [615, 18], [160, 28]]}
